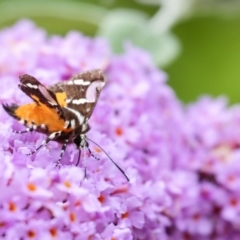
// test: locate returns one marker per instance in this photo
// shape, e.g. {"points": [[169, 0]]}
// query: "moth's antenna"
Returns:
{"points": [[110, 159]]}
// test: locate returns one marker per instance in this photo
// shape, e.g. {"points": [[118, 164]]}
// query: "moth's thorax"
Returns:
{"points": [[82, 129]]}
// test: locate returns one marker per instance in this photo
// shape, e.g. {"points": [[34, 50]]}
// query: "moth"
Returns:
{"points": [[61, 111]]}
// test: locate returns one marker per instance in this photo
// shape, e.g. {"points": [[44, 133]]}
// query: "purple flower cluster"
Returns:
{"points": [[183, 162]]}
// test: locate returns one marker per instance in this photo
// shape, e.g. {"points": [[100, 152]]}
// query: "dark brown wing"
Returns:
{"points": [[39, 93], [82, 91]]}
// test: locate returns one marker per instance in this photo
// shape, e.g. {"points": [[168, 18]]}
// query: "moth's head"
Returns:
{"points": [[80, 141], [77, 141]]}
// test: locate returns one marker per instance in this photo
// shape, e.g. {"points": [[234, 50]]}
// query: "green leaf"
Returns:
{"points": [[123, 25], [56, 16]]}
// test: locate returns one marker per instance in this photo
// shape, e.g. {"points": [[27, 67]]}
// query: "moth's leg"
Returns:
{"points": [[24, 131], [81, 143], [85, 163], [87, 146], [79, 156], [64, 146], [84, 158], [29, 128], [51, 137]]}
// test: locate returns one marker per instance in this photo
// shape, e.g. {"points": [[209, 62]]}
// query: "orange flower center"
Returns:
{"points": [[12, 206], [67, 184], [72, 217], [101, 198], [119, 131], [53, 232], [31, 234], [125, 215], [32, 187]]}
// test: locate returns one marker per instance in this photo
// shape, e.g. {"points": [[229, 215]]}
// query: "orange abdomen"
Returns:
{"points": [[41, 115]]}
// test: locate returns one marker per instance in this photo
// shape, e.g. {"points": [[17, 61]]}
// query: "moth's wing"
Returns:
{"points": [[39, 93], [11, 110], [81, 92]]}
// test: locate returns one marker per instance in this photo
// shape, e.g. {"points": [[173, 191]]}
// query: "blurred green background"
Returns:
{"points": [[210, 59], [201, 48]]}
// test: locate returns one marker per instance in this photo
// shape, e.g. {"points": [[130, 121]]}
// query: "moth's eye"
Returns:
{"points": [[77, 140]]}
